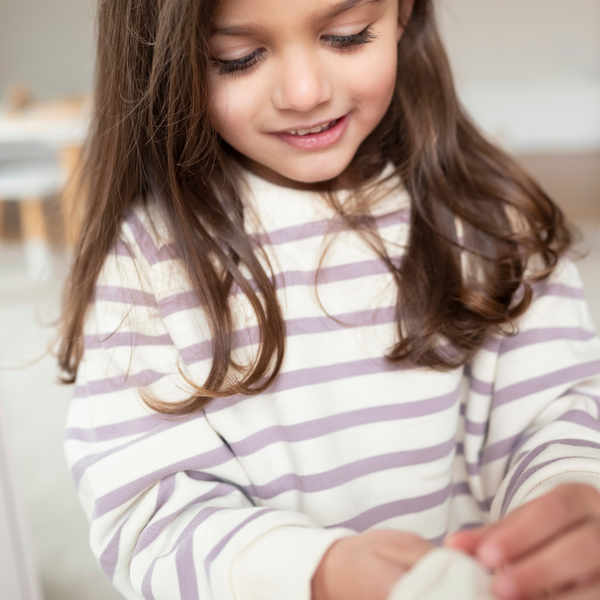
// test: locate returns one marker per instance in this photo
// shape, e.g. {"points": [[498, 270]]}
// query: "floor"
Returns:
{"points": [[36, 406]]}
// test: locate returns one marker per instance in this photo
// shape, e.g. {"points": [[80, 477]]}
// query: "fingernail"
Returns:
{"points": [[505, 587], [491, 555]]}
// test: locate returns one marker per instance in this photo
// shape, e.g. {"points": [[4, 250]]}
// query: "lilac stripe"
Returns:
{"points": [[469, 526], [214, 553], [80, 467], [319, 482], [475, 428], [585, 394], [123, 295], [472, 468], [165, 491], [438, 540], [476, 385], [146, 244], [125, 338], [125, 493], [154, 529], [110, 556], [545, 382], [104, 433], [186, 570], [281, 433], [294, 327], [463, 489], [296, 233], [582, 418], [559, 289], [121, 248], [518, 478], [327, 425], [315, 376], [292, 482], [542, 335], [118, 383], [276, 237], [327, 275], [284, 433], [500, 449], [147, 581], [186, 533], [398, 508]]}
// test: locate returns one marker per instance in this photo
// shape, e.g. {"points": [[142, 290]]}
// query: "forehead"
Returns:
{"points": [[229, 13]]}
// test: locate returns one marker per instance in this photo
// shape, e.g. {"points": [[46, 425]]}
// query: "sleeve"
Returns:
{"points": [[171, 510], [532, 416]]}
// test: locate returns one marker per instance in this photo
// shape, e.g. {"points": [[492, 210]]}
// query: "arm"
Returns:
{"points": [[548, 382], [541, 458], [171, 510]]}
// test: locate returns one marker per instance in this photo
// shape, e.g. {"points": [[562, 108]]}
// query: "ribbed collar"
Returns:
{"points": [[277, 206]]}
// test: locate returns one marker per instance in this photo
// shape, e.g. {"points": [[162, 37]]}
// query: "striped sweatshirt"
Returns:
{"points": [[241, 500]]}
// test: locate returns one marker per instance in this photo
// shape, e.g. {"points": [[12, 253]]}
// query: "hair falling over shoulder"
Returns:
{"points": [[151, 136]]}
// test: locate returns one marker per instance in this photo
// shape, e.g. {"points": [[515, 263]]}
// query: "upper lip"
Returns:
{"points": [[309, 126]]}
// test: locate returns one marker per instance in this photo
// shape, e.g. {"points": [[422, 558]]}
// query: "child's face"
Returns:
{"points": [[308, 63]]}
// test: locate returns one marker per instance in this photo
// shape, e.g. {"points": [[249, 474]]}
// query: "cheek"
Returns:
{"points": [[231, 114], [373, 80]]}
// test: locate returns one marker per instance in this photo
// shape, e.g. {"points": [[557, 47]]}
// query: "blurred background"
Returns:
{"points": [[528, 71]]}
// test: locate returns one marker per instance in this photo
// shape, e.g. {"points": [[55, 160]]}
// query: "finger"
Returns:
{"points": [[591, 591], [562, 562], [467, 541], [536, 522]]}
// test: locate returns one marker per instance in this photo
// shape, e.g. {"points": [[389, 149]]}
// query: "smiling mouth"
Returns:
{"points": [[316, 129]]}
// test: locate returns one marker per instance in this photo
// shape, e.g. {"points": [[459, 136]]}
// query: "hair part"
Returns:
{"points": [[152, 138]]}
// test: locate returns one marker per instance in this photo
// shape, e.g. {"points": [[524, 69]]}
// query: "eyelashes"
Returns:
{"points": [[228, 67], [340, 42], [344, 42]]}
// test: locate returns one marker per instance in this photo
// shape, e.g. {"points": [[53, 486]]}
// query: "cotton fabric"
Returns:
{"points": [[241, 500]]}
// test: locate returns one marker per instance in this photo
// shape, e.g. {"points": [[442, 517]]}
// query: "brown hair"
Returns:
{"points": [[152, 137]]}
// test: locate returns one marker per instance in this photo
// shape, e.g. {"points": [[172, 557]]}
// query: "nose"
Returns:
{"points": [[302, 83]]}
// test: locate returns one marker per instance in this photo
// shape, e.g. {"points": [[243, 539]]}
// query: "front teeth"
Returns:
{"points": [[317, 129]]}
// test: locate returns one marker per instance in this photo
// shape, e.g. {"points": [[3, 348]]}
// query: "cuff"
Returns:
{"points": [[551, 468], [281, 562]]}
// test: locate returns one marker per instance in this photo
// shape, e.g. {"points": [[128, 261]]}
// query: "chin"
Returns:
{"points": [[317, 171]]}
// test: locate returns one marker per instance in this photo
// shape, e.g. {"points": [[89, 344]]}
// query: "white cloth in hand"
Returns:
{"points": [[444, 575]]}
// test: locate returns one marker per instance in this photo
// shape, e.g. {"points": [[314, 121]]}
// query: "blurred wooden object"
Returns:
{"points": [[39, 153], [33, 224], [18, 97], [71, 207]]}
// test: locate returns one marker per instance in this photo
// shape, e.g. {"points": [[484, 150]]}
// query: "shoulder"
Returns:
{"points": [[145, 234]]}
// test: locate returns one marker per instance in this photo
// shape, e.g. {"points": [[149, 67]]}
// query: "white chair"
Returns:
{"points": [[31, 173]]}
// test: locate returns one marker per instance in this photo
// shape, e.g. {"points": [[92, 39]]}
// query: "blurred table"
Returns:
{"points": [[39, 146]]}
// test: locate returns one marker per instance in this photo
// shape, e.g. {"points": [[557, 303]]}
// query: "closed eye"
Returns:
{"points": [[230, 67], [248, 62], [345, 42]]}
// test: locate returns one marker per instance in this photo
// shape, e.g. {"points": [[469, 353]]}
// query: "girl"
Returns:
{"points": [[316, 322]]}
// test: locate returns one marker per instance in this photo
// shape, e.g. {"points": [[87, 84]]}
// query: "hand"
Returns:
{"points": [[366, 566], [550, 547]]}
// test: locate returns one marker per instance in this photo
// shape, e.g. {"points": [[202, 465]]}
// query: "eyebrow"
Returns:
{"points": [[257, 29]]}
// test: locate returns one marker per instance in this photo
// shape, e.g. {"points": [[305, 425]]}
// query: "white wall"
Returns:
{"points": [[529, 70], [47, 45]]}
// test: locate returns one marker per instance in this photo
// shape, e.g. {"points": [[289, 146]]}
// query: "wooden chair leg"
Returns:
{"points": [[33, 227], [71, 208], [2, 208]]}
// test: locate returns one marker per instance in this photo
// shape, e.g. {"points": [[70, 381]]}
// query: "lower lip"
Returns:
{"points": [[316, 141]]}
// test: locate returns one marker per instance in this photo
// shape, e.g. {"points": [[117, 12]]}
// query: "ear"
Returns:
{"points": [[405, 8]]}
